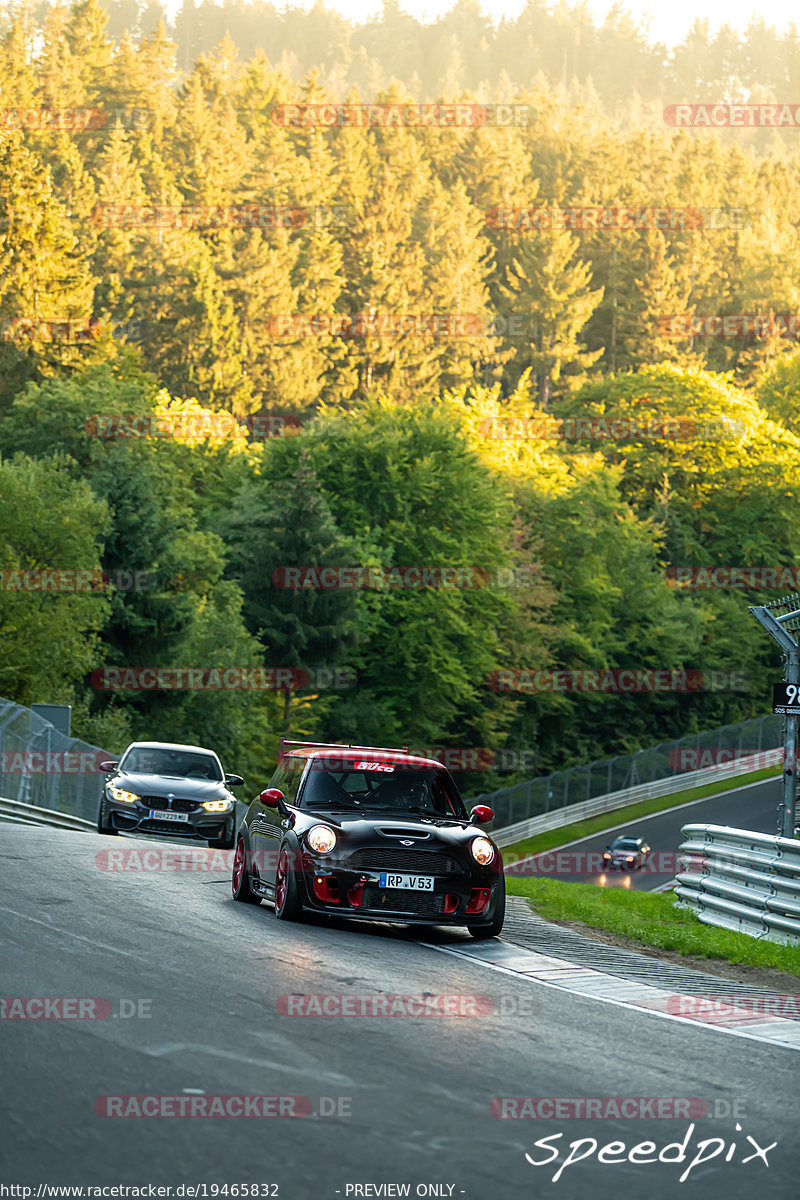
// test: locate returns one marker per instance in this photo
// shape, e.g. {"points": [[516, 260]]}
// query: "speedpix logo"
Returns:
{"points": [[617, 1152]]}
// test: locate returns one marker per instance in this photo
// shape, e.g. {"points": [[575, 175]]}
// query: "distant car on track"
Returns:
{"points": [[626, 852], [369, 834], [169, 789]]}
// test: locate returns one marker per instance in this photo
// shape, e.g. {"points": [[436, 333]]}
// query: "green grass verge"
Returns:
{"points": [[540, 842], [651, 918]]}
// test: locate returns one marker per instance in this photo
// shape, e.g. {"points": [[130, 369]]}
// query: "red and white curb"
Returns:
{"points": [[596, 985]]}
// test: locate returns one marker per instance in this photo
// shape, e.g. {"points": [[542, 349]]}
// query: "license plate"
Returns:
{"points": [[407, 883], [155, 815]]}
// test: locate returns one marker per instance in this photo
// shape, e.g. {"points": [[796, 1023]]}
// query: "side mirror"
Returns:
{"points": [[233, 780], [481, 815], [273, 798], [108, 764]]}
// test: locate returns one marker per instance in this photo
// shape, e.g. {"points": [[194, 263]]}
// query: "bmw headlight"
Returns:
{"points": [[123, 796], [321, 839], [217, 805], [482, 850]]}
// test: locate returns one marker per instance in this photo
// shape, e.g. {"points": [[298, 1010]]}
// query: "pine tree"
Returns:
{"points": [[544, 284]]}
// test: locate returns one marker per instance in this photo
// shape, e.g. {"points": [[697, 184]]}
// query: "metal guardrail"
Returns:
{"points": [[736, 879], [643, 791], [31, 814]]}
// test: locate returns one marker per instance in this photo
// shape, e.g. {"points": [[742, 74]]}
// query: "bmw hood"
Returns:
{"points": [[164, 785]]}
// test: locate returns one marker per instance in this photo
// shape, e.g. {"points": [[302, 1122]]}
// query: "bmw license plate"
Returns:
{"points": [[408, 883], [155, 815]]}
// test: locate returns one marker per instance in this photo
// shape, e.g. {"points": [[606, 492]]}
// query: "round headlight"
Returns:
{"points": [[321, 839], [217, 805], [482, 850]]}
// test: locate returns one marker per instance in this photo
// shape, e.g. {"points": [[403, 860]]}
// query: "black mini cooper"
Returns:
{"points": [[370, 834]]}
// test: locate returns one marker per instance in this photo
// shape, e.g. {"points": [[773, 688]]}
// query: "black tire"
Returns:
{"points": [[495, 926], [287, 898], [102, 816], [240, 881]]}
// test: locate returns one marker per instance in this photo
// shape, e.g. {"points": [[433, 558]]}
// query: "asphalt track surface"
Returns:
{"points": [[751, 807], [409, 1097]]}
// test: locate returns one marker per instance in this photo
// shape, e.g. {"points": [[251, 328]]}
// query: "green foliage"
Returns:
{"points": [[651, 920], [52, 525], [145, 219]]}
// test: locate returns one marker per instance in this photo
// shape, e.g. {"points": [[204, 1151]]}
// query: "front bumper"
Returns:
{"points": [[468, 899], [135, 818]]}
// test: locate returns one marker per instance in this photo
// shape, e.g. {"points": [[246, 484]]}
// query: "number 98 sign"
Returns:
{"points": [[786, 699]]}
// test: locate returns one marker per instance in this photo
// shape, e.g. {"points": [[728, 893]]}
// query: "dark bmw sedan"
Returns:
{"points": [[369, 834], [180, 791]]}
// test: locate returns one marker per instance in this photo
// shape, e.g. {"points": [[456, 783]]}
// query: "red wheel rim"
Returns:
{"points": [[280, 880], [238, 866]]}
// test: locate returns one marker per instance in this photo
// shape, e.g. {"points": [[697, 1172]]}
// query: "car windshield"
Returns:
{"points": [[626, 844], [394, 788], [178, 764]]}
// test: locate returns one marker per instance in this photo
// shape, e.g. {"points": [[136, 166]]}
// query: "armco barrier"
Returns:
{"points": [[736, 879], [643, 791], [30, 814]]}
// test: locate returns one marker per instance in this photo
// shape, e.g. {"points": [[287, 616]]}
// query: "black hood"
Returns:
{"points": [[162, 785]]}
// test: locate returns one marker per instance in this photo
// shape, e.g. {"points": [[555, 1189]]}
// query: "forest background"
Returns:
{"points": [[243, 330]]}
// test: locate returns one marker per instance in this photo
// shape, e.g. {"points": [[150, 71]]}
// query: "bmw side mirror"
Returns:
{"points": [[481, 815], [107, 765], [233, 780], [274, 798]]}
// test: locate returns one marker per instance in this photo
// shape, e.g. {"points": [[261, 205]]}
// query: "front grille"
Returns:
{"points": [[396, 858], [182, 828], [396, 900], [176, 805]]}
